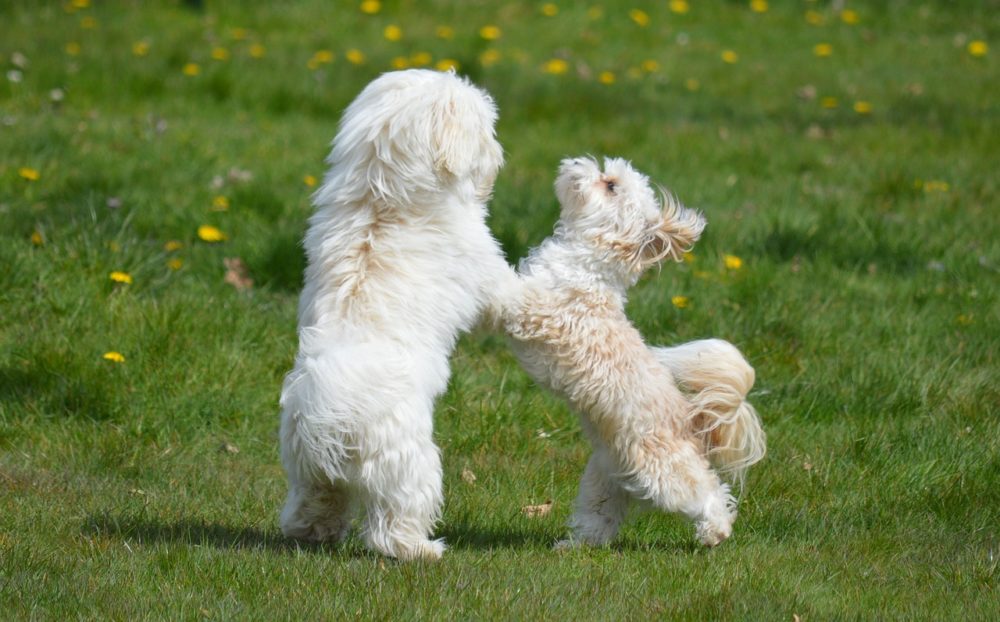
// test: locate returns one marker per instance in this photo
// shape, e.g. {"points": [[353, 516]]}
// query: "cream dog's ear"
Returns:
{"points": [[680, 229], [461, 133]]}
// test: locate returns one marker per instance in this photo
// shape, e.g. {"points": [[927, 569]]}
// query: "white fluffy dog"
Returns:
{"points": [[569, 330], [400, 260]]}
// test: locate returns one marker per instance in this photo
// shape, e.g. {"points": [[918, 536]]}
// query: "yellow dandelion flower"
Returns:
{"points": [[732, 262], [238, 34], [220, 203], [191, 69], [172, 245], [175, 264], [681, 302], [549, 9], [309, 180], [140, 48], [88, 22], [28, 173], [650, 66], [679, 6], [862, 107], [606, 77], [400, 62], [446, 64], [257, 51], [849, 16], [36, 238], [208, 233], [640, 17], [829, 103], [489, 57], [392, 32], [121, 277], [219, 53], [323, 56], [936, 186], [555, 66], [758, 6], [80, 4], [72, 48], [729, 56], [355, 56], [692, 85], [814, 18], [977, 48], [688, 257], [114, 357], [490, 32], [444, 32], [822, 50], [421, 59], [371, 7]]}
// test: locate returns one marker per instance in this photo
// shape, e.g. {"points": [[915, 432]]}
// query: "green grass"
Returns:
{"points": [[867, 300]]}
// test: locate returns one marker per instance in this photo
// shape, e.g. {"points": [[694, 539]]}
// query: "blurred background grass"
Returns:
{"points": [[844, 153]]}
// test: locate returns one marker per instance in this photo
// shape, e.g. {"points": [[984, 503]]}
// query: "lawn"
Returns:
{"points": [[156, 162]]}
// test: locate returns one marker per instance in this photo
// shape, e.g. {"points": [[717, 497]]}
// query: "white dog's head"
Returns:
{"points": [[411, 136], [616, 211]]}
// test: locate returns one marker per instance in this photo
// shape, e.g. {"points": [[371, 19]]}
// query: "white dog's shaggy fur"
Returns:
{"points": [[400, 260], [568, 327]]}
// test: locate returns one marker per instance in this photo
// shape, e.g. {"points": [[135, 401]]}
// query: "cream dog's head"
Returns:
{"points": [[617, 213], [412, 136]]}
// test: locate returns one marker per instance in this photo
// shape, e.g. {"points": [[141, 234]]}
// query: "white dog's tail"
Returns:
{"points": [[717, 379]]}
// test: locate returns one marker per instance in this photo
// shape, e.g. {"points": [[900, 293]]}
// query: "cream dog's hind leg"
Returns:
{"points": [[601, 504]]}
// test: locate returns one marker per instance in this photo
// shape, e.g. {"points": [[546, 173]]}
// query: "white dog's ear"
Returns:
{"points": [[462, 133]]}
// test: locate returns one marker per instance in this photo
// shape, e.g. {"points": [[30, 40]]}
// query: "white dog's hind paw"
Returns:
{"points": [[567, 544], [430, 550], [331, 530]]}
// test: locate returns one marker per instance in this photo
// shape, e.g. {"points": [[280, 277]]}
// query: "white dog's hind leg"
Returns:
{"points": [[317, 512], [401, 484], [319, 504], [601, 504]]}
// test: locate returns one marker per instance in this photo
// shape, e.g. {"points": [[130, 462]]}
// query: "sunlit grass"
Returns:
{"points": [[155, 170]]}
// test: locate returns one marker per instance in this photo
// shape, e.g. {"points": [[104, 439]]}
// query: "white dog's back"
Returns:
{"points": [[400, 260]]}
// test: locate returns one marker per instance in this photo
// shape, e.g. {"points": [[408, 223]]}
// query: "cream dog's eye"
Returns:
{"points": [[610, 184]]}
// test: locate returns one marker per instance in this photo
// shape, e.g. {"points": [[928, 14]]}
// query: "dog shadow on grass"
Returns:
{"points": [[467, 536], [200, 533]]}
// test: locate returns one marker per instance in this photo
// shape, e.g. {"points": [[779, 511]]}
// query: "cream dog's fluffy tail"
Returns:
{"points": [[717, 379]]}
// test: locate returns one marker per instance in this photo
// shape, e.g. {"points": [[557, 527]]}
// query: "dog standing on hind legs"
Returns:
{"points": [[400, 260], [657, 418]]}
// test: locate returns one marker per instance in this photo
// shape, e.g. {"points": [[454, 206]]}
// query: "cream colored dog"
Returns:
{"points": [[652, 440]]}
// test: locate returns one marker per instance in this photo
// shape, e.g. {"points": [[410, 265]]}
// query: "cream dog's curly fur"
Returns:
{"points": [[568, 328], [399, 261]]}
